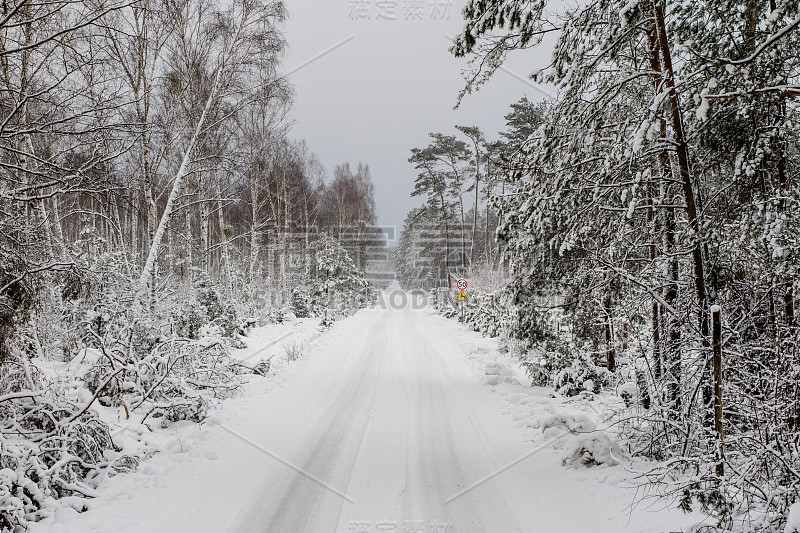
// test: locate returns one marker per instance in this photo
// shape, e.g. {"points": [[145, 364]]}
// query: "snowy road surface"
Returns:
{"points": [[396, 429], [389, 415]]}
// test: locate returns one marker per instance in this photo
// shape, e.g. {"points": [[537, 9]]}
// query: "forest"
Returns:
{"points": [[646, 231], [632, 241], [153, 207]]}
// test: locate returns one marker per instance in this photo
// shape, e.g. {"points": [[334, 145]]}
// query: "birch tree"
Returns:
{"points": [[244, 31]]}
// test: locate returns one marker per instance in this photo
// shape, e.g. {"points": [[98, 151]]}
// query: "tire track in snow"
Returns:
{"points": [[326, 450], [394, 431]]}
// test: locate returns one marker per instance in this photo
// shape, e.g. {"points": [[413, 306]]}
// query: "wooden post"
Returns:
{"points": [[717, 355]]}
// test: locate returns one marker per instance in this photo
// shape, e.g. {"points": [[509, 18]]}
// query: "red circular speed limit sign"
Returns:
{"points": [[461, 284]]}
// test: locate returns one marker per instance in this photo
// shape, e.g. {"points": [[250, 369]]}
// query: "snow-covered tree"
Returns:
{"points": [[660, 184]]}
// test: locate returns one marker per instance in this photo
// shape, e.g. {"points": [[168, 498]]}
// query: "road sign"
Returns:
{"points": [[461, 284], [462, 297]]}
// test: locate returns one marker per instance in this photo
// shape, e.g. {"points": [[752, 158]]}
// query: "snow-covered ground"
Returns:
{"points": [[393, 420]]}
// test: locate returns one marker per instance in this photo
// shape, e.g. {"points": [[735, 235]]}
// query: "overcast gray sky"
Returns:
{"points": [[379, 94]]}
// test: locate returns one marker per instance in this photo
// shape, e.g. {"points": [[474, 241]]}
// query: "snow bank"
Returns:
{"points": [[573, 423], [497, 373], [591, 449], [793, 521]]}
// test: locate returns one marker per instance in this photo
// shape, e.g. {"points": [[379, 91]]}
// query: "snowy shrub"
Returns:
{"points": [[17, 499], [67, 449], [178, 379], [17, 375], [326, 321], [577, 423], [144, 337], [591, 449], [537, 373], [629, 392], [292, 351], [487, 313], [555, 362], [545, 361], [187, 320], [204, 306], [301, 302], [96, 380], [496, 373], [207, 296], [98, 294], [547, 358], [338, 284], [573, 379], [16, 301], [184, 377], [275, 316], [262, 368], [246, 325], [216, 310], [191, 409]]}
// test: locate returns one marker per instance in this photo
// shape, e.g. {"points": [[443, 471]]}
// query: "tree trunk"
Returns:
{"points": [[475, 214], [446, 239], [204, 201], [653, 253], [224, 252], [463, 232], [285, 248], [674, 366], [788, 295], [189, 243], [178, 183], [254, 245], [500, 220], [611, 354], [666, 171], [686, 177], [487, 250], [62, 248], [45, 224]]}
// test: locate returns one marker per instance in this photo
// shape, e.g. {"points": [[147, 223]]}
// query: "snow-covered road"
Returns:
{"points": [[381, 426], [397, 426]]}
